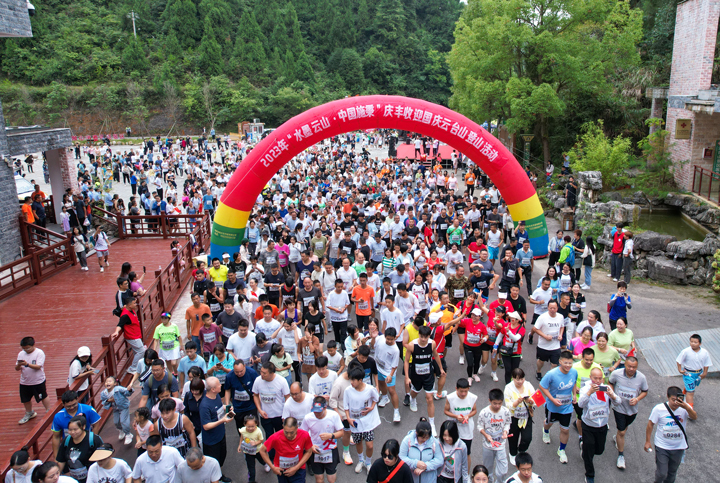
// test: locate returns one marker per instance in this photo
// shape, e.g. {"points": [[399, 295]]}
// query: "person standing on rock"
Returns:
{"points": [[628, 256], [616, 261]]}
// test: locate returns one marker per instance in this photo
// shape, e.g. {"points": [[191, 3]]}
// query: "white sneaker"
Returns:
{"points": [[546, 437], [368, 466], [383, 401], [441, 395], [346, 457], [434, 431], [512, 459], [476, 377], [267, 468], [27, 417], [128, 438], [102, 269], [107, 264], [121, 435], [621, 462], [482, 369], [615, 279], [609, 275], [470, 380], [359, 467], [462, 360], [413, 405], [563, 457], [396, 416], [494, 376]]}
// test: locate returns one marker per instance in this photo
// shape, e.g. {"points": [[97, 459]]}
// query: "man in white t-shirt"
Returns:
{"points": [[337, 304], [360, 403], [241, 343], [670, 437], [299, 404], [270, 392], [387, 358], [693, 363], [320, 383], [461, 405], [392, 316], [325, 428], [549, 328], [540, 298]]}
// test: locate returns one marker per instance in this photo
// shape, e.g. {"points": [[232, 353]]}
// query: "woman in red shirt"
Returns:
{"points": [[475, 336], [509, 343]]}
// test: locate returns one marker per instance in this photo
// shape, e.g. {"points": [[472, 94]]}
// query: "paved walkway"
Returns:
{"points": [[71, 309]]}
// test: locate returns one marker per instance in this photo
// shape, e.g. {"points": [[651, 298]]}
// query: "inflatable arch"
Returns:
{"points": [[370, 112]]}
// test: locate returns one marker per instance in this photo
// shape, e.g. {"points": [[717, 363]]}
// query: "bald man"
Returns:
{"points": [[213, 418]]}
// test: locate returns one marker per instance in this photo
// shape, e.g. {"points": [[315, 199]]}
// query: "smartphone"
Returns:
{"points": [[96, 371], [228, 409], [144, 269], [602, 387]]}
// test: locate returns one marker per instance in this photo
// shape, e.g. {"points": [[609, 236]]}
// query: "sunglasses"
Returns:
{"points": [[388, 456]]}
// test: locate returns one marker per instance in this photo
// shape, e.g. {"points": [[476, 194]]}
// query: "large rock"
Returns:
{"points": [[612, 196], [620, 213], [708, 217], [711, 244], [590, 180], [651, 241], [687, 249], [674, 199], [664, 270], [559, 203]]}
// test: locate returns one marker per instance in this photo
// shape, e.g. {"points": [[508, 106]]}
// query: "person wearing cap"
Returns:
{"points": [[81, 368], [158, 464], [509, 343], [106, 469], [475, 337], [293, 448], [325, 428]]}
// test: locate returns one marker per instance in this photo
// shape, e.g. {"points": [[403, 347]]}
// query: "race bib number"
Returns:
{"points": [[168, 345], [307, 300], [672, 433], [472, 338], [481, 285], [248, 448], [286, 462], [209, 337], [356, 413], [241, 396], [599, 411], [521, 412], [324, 457], [291, 351], [422, 369], [79, 473], [221, 377], [525, 262], [219, 284], [309, 359], [443, 226], [214, 307], [511, 273], [319, 246], [625, 392], [564, 399], [575, 307], [267, 398], [176, 442], [362, 305], [232, 292], [459, 293], [227, 331], [220, 412], [270, 260], [335, 317], [346, 250]]}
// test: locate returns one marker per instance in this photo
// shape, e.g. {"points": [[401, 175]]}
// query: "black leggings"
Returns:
{"points": [[510, 363], [340, 330], [473, 356], [521, 435], [296, 370]]}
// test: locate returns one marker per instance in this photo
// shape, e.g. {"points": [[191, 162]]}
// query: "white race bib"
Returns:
{"points": [[248, 448], [241, 395], [286, 462], [472, 338], [227, 332], [459, 293], [324, 457], [267, 398], [511, 274], [564, 399], [422, 369], [625, 392], [168, 345]]}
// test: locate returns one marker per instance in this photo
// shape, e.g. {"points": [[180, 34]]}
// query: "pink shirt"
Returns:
{"points": [[28, 376], [578, 346], [283, 253]]}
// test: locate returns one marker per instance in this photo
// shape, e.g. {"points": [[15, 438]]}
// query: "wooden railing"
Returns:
{"points": [[116, 356], [49, 205], [47, 253], [706, 183], [159, 226]]}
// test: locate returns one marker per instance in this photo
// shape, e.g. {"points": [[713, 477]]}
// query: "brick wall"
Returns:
{"points": [[9, 207], [705, 131], [696, 26], [69, 171], [14, 19], [21, 143]]}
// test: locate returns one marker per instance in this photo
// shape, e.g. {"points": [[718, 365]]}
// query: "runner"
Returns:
{"points": [[324, 428], [461, 405], [632, 387], [360, 401], [520, 403], [387, 358], [293, 448], [559, 387], [422, 376], [549, 327], [494, 424], [693, 363]]}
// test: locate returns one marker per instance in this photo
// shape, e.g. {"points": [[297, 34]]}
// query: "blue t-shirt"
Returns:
{"points": [[525, 259], [253, 234], [620, 308], [209, 410], [186, 364], [241, 399], [208, 202], [62, 419], [560, 386]]}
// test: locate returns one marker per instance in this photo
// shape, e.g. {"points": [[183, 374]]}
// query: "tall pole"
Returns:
{"points": [[526, 155], [132, 15]]}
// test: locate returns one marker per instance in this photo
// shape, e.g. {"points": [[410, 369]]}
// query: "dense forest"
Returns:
{"points": [[198, 63]]}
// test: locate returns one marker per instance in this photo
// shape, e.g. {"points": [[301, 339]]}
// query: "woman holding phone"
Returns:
{"points": [[81, 368]]}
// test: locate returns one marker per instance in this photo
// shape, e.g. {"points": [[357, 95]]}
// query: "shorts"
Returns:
{"points": [[327, 468], [37, 391], [171, 355], [485, 347], [548, 356], [493, 252], [358, 438], [562, 419], [622, 421], [102, 253], [468, 443], [427, 384], [346, 425], [578, 410], [691, 380], [363, 321], [437, 369], [390, 383]]}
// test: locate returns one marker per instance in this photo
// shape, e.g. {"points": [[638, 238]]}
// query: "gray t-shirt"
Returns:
{"points": [[627, 388], [209, 472]]}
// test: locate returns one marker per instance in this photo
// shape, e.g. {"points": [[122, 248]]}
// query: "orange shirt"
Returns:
{"points": [[347, 208], [259, 312], [194, 315], [470, 179], [29, 216], [35, 193], [367, 294]]}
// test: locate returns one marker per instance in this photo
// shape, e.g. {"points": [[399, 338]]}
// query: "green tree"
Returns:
{"points": [[303, 69], [133, 57], [594, 151], [518, 60], [209, 53], [349, 64], [289, 66], [389, 23], [172, 46], [249, 56], [57, 103], [181, 16]]}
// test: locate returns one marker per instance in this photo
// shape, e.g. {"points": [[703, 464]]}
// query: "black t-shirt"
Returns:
{"points": [[370, 369], [314, 319], [510, 270], [346, 224], [77, 466], [366, 252], [201, 286], [379, 472], [274, 279], [519, 305], [442, 221], [412, 232], [348, 247], [228, 323], [306, 297]]}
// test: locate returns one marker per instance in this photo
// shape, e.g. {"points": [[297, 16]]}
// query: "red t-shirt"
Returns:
{"points": [[475, 248], [439, 338], [291, 452], [474, 333], [492, 333], [618, 242], [507, 341]]}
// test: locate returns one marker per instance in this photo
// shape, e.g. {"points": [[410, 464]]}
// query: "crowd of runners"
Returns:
{"points": [[359, 281]]}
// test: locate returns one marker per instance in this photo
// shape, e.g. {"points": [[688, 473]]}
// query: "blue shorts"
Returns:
{"points": [[692, 380], [390, 383], [493, 253]]}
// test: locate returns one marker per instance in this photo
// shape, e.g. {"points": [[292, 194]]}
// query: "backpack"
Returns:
{"points": [[570, 260], [91, 440]]}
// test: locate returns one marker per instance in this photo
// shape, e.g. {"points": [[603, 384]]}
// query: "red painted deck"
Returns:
{"points": [[71, 309]]}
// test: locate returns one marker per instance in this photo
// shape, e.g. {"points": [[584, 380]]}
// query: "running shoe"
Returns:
{"points": [[494, 376], [530, 339], [27, 417], [406, 401], [413, 406], [462, 360], [102, 269], [360, 466], [546, 437], [621, 462], [609, 274], [121, 435], [512, 460], [383, 401], [563, 457], [442, 395], [482, 369], [470, 380], [396, 416], [589, 480], [346, 457], [368, 466], [128, 438], [434, 431], [476, 377]]}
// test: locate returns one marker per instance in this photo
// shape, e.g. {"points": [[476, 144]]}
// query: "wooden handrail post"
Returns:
{"points": [[163, 224], [121, 226], [73, 255], [161, 294], [35, 267], [111, 363]]}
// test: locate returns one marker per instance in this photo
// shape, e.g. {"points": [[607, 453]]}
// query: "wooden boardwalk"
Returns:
{"points": [[71, 309]]}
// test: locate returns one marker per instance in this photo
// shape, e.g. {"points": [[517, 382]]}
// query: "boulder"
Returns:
{"points": [[711, 244], [612, 196], [627, 213], [698, 277], [674, 199], [664, 270], [590, 180], [639, 198], [651, 241], [689, 249], [559, 203], [708, 217]]}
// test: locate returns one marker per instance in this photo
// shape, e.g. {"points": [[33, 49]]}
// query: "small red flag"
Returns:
{"points": [[601, 396], [538, 398], [632, 352]]}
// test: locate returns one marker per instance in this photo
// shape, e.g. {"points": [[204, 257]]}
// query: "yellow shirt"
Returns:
{"points": [[218, 274], [246, 437]]}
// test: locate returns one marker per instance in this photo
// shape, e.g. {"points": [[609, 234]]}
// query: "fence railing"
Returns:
{"points": [[49, 205], [115, 357], [706, 183], [157, 226]]}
